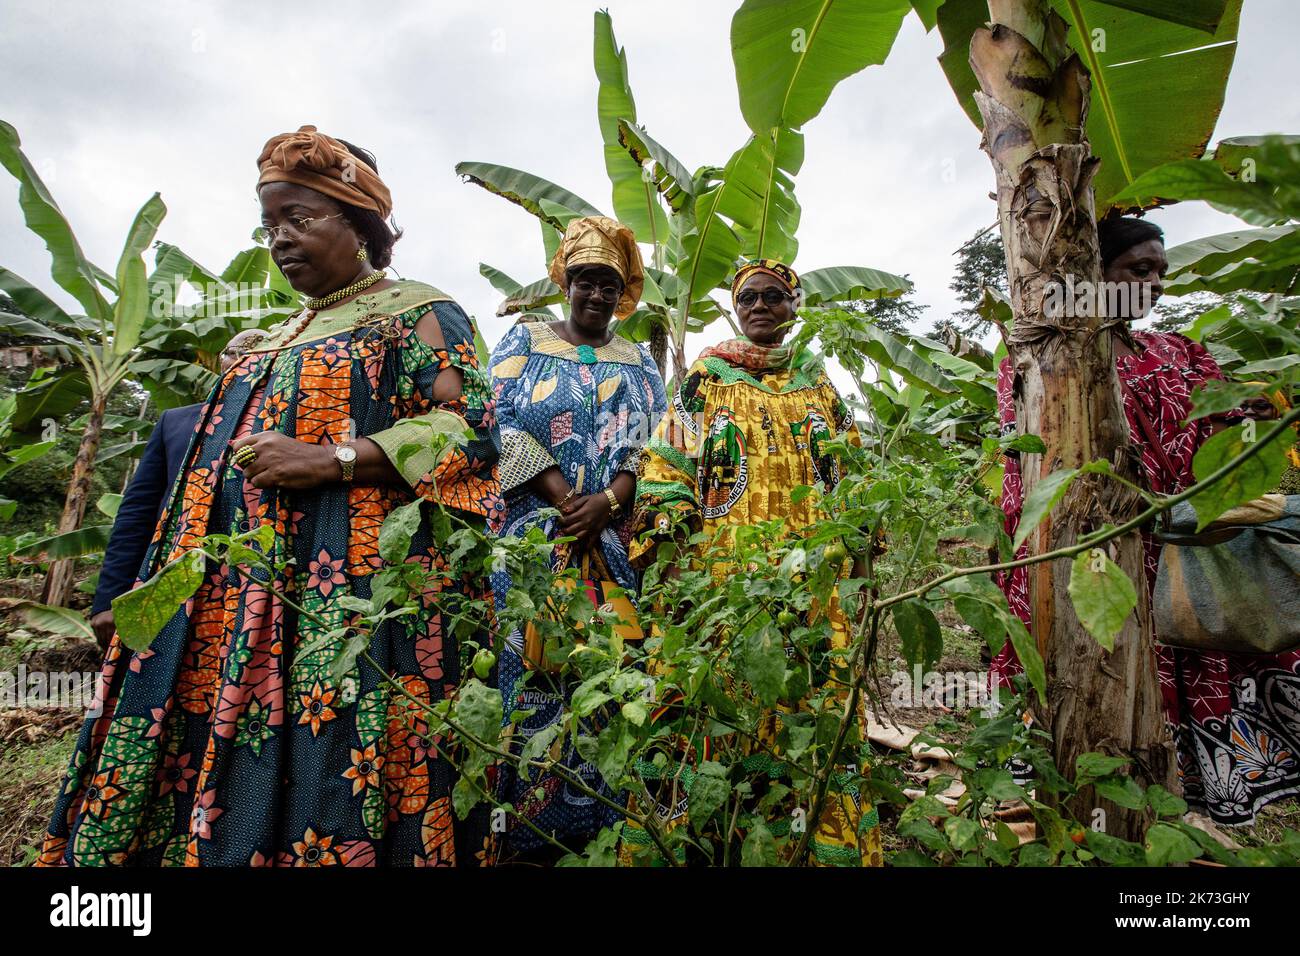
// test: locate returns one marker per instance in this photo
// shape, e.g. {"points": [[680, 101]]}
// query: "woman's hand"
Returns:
{"points": [[584, 518], [104, 627], [284, 462]]}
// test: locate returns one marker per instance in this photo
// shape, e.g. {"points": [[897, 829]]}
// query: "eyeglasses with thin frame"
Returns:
{"points": [[609, 293], [771, 297], [297, 225]]}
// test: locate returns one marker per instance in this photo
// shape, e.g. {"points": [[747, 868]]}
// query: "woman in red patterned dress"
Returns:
{"points": [[1235, 717]]}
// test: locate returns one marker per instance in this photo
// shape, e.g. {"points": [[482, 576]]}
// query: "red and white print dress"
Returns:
{"points": [[1234, 717]]}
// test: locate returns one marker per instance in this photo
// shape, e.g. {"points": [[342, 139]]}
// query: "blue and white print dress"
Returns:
{"points": [[587, 411]]}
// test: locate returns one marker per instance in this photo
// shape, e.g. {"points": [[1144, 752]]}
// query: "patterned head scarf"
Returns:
{"points": [[773, 267], [312, 159], [601, 241]]}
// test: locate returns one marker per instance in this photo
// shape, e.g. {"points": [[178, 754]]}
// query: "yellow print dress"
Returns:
{"points": [[743, 430]]}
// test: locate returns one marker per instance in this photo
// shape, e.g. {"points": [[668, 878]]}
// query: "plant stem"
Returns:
{"points": [[1100, 537]]}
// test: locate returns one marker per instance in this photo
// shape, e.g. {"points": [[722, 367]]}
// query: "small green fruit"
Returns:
{"points": [[484, 661]]}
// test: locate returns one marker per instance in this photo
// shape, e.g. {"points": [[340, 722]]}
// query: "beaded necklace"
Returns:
{"points": [[275, 342]]}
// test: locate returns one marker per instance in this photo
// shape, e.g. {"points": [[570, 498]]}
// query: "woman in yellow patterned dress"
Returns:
{"points": [[745, 427]]}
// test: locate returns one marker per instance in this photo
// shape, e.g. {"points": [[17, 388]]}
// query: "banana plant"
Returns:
{"points": [[180, 344], [1077, 99], [101, 342], [14, 454], [699, 225], [141, 332], [1158, 69], [1251, 177], [1158, 72]]}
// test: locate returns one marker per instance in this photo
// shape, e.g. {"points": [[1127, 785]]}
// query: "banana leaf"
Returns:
{"points": [[850, 284], [69, 266], [49, 394], [70, 544], [132, 305], [500, 281], [17, 457], [790, 54], [536, 295], [635, 201], [56, 620], [1159, 70], [34, 303], [670, 177], [758, 194], [526, 190]]}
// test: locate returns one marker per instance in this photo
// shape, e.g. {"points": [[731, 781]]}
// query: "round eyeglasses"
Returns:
{"points": [[609, 293]]}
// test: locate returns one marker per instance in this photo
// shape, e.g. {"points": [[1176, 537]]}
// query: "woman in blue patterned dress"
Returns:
{"points": [[575, 403]]}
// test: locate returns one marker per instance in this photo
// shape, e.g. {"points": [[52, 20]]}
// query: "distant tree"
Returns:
{"points": [[1174, 315], [980, 262], [893, 315]]}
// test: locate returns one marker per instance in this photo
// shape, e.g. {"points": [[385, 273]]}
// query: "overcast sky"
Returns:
{"points": [[115, 101]]}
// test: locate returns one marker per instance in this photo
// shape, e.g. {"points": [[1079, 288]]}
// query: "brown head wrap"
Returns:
{"points": [[601, 241], [322, 163]]}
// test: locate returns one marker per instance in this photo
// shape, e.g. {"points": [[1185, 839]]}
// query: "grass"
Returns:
{"points": [[1271, 824], [35, 743], [36, 746]]}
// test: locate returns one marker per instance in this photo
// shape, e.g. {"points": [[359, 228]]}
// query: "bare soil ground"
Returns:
{"points": [[35, 744]]}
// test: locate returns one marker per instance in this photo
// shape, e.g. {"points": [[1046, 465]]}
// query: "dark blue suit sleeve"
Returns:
{"points": [[136, 518]]}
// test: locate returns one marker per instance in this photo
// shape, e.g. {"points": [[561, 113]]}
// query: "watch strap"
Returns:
{"points": [[348, 465], [614, 507]]}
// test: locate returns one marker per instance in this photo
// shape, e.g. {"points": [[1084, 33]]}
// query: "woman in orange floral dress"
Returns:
{"points": [[228, 741]]}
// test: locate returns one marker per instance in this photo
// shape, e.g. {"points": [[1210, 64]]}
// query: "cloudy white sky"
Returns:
{"points": [[115, 101]]}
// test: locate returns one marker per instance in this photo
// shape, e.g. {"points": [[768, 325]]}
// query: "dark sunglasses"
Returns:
{"points": [[771, 298]]}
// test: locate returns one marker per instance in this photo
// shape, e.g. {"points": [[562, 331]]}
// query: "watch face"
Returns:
{"points": [[345, 453]]}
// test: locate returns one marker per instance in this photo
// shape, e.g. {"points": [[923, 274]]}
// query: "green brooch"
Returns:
{"points": [[586, 355]]}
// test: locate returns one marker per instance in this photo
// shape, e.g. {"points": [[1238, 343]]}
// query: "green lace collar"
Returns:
{"points": [[402, 297]]}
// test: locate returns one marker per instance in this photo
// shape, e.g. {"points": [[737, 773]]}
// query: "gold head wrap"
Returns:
{"points": [[601, 241], [312, 159]]}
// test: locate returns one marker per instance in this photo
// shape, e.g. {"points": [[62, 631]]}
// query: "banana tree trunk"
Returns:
{"points": [[659, 348], [677, 348], [1034, 96], [59, 579]]}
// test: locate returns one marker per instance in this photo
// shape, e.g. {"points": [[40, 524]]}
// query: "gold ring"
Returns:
{"points": [[246, 455]]}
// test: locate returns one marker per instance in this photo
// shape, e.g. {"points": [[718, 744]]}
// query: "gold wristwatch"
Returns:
{"points": [[346, 456]]}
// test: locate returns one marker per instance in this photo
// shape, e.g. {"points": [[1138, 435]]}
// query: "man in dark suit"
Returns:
{"points": [[146, 496]]}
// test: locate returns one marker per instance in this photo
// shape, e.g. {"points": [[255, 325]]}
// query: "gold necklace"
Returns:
{"points": [[359, 286]]}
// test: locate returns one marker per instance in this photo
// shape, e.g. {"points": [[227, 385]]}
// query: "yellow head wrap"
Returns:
{"points": [[601, 241]]}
